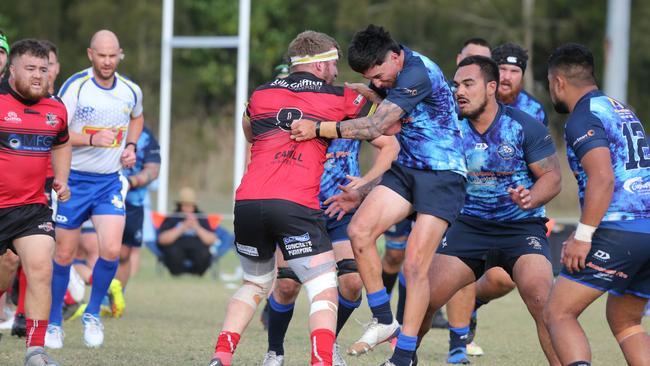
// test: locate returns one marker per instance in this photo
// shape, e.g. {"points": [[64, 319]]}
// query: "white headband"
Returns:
{"points": [[330, 55]]}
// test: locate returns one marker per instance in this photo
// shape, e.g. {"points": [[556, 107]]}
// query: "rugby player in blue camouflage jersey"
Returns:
{"points": [[512, 172], [610, 250], [419, 107]]}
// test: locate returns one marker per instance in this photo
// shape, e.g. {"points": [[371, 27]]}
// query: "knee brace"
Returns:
{"points": [[287, 272], [318, 285], [629, 332], [346, 266], [255, 288]]}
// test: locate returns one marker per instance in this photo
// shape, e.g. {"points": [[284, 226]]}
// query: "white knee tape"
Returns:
{"points": [[265, 279], [322, 305], [320, 284], [255, 288]]}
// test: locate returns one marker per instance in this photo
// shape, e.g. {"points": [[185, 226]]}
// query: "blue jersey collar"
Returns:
{"points": [[492, 125]]}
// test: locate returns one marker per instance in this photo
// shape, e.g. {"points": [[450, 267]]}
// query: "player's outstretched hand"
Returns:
{"points": [[343, 203], [521, 196], [62, 190], [104, 138], [303, 129], [574, 253], [128, 158]]}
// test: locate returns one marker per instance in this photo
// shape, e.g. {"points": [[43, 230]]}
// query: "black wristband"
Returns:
{"points": [[135, 146], [90, 142], [338, 129], [318, 129]]}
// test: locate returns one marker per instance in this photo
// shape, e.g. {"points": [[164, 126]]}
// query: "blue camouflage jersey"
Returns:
{"points": [[498, 159], [342, 159], [148, 152], [600, 121], [527, 103], [430, 138]]}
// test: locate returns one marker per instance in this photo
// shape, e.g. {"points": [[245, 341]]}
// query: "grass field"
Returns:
{"points": [[173, 321]]}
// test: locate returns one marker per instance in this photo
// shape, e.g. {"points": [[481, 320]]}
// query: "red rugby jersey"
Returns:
{"points": [[28, 130], [281, 168]]}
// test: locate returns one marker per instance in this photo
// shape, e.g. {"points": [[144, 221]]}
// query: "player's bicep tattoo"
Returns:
{"points": [[550, 163]]}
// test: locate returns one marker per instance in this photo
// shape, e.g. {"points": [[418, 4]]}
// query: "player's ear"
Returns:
{"points": [[121, 54], [560, 83], [89, 52], [491, 87]]}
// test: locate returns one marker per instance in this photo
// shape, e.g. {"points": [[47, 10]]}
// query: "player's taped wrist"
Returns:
{"points": [[584, 232], [329, 129]]}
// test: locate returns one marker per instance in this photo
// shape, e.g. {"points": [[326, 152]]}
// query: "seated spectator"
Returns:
{"points": [[185, 237]]}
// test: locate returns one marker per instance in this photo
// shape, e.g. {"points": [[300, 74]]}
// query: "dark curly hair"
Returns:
{"points": [[32, 47], [369, 47]]}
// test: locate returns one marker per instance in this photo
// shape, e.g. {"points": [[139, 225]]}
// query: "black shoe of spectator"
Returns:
{"points": [[439, 320], [19, 328]]}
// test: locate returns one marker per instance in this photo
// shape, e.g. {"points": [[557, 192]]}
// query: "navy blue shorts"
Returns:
{"points": [[338, 230], [133, 227], [483, 244], [439, 193], [618, 262]]}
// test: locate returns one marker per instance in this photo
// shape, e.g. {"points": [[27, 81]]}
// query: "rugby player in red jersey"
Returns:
{"points": [[277, 200], [32, 125]]}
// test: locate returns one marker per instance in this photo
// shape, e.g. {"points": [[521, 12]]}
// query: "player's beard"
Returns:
{"points": [[561, 107], [472, 115], [23, 87], [100, 73], [509, 98]]}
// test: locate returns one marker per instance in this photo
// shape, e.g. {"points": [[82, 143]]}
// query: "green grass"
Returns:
{"points": [[174, 321]]}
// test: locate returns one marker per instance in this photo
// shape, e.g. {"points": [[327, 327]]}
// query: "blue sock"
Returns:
{"points": [[401, 300], [404, 350], [279, 318], [60, 279], [458, 338], [103, 274], [380, 306], [346, 307]]}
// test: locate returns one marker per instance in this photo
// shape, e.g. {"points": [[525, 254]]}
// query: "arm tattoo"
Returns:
{"points": [[371, 127], [365, 189], [547, 164]]}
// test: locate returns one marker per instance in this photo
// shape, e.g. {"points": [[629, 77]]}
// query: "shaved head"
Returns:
{"points": [[105, 54], [104, 37]]}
